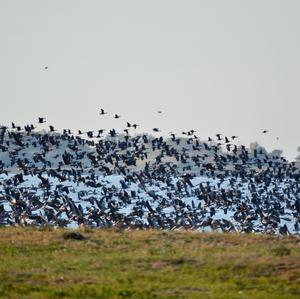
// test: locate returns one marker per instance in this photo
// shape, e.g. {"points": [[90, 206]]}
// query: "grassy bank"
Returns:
{"points": [[47, 263]]}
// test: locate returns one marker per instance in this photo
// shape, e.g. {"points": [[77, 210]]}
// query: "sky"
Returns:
{"points": [[228, 67]]}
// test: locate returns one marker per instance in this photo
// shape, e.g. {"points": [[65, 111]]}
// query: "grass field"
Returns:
{"points": [[88, 263]]}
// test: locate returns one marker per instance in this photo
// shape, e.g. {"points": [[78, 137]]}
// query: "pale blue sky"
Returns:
{"points": [[214, 66]]}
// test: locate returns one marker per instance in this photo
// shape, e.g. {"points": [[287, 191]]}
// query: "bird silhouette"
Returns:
{"points": [[52, 128]]}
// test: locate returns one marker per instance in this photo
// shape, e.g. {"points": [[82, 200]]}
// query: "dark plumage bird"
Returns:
{"points": [[100, 132], [102, 112], [42, 120], [219, 136], [90, 134], [113, 133]]}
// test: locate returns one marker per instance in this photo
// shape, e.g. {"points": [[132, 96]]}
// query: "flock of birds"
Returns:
{"points": [[144, 181]]}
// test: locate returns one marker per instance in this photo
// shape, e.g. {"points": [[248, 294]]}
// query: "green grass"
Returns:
{"points": [[87, 263]]}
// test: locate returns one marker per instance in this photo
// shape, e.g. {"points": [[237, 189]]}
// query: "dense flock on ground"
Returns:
{"points": [[144, 181]]}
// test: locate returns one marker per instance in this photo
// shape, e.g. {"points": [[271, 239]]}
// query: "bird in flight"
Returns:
{"points": [[219, 136], [102, 112], [90, 134], [265, 131], [42, 120]]}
